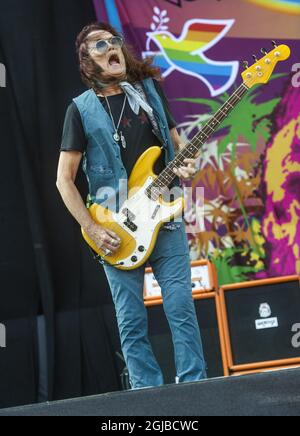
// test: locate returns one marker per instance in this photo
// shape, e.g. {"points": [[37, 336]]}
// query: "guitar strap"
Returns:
{"points": [[170, 226], [167, 226]]}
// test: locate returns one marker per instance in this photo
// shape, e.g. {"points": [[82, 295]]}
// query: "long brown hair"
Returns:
{"points": [[91, 73]]}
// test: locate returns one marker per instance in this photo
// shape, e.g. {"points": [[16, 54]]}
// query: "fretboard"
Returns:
{"points": [[166, 177]]}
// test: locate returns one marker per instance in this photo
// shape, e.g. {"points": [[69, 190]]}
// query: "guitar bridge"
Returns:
{"points": [[155, 212]]}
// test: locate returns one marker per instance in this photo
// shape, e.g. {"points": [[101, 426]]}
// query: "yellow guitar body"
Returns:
{"points": [[136, 246]]}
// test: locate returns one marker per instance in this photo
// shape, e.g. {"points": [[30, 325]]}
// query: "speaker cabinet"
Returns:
{"points": [[204, 279], [209, 317], [261, 322]]}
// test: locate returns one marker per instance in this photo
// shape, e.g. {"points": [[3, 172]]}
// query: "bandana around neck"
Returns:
{"points": [[135, 100]]}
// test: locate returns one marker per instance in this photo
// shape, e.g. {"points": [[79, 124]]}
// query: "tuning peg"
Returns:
{"points": [[264, 51], [274, 44], [246, 65], [255, 58]]}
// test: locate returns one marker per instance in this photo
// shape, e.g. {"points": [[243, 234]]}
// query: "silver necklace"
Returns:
{"points": [[116, 136]]}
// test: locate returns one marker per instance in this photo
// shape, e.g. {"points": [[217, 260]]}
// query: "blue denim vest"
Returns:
{"points": [[102, 163]]}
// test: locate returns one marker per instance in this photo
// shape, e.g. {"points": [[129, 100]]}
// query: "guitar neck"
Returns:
{"points": [[192, 148]]}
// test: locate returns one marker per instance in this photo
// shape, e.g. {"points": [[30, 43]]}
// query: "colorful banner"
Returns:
{"points": [[286, 6], [251, 168]]}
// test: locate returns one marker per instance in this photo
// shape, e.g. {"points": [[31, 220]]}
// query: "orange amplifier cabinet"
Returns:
{"points": [[260, 370], [261, 323], [204, 279]]}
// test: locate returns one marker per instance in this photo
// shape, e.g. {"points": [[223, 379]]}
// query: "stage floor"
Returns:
{"points": [[275, 393]]}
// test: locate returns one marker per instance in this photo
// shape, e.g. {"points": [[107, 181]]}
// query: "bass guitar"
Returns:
{"points": [[146, 210]]}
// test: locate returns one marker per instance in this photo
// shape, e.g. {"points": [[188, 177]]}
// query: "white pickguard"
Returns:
{"points": [[149, 214]]}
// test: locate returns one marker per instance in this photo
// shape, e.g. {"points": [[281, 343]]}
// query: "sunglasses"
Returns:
{"points": [[102, 45]]}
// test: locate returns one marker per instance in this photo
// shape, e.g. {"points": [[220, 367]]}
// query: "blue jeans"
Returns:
{"points": [[171, 266]]}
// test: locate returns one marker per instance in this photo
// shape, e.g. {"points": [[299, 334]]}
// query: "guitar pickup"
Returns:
{"points": [[131, 226], [129, 215]]}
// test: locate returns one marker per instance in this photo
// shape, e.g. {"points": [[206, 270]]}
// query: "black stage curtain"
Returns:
{"points": [[45, 267]]}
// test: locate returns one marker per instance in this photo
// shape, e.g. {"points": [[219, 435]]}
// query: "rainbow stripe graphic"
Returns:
{"points": [[287, 6], [186, 53]]}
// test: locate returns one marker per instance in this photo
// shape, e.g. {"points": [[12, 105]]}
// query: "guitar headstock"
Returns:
{"points": [[262, 70]]}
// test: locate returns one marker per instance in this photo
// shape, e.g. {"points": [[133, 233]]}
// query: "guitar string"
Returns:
{"points": [[203, 134], [243, 88], [193, 146], [167, 175], [236, 95]]}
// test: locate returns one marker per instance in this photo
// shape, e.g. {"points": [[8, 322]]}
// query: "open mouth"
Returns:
{"points": [[114, 60]]}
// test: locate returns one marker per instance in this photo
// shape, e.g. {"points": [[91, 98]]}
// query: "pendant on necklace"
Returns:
{"points": [[123, 141], [116, 137]]}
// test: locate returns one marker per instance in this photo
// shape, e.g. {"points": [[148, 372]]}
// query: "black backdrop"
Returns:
{"points": [[45, 268]]}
